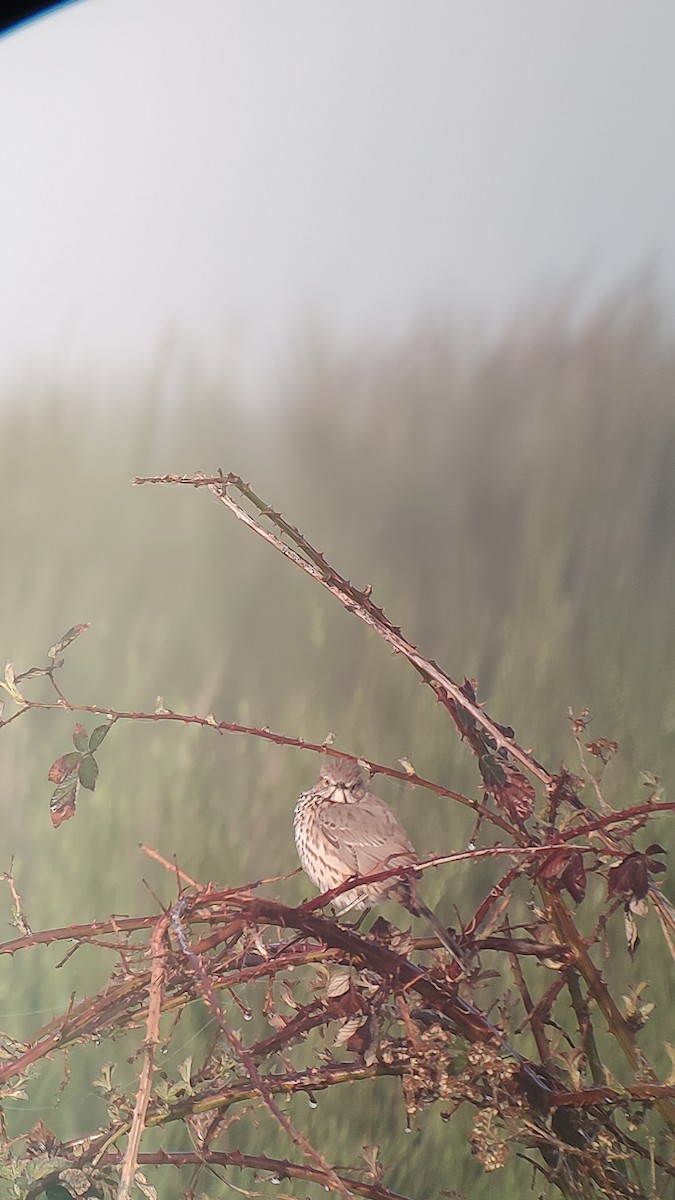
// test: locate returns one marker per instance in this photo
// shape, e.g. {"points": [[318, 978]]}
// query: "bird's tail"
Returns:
{"points": [[445, 936]]}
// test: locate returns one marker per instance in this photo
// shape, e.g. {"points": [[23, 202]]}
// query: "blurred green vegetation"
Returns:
{"points": [[513, 505]]}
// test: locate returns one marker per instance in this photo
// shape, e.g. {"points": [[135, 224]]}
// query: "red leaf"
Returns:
{"points": [[574, 877], [515, 795], [64, 766], [565, 869], [80, 737], [348, 1004], [552, 868], [602, 748], [62, 805], [364, 1037], [630, 877]]}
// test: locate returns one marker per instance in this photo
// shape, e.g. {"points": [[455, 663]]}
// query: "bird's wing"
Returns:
{"points": [[366, 835]]}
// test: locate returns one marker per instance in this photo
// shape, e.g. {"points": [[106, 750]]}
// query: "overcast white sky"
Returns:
{"points": [[235, 169]]}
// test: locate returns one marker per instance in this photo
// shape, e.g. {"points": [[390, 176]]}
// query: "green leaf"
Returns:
{"points": [[98, 735], [80, 738], [56, 1191], [492, 771], [185, 1072], [88, 772], [64, 789]]}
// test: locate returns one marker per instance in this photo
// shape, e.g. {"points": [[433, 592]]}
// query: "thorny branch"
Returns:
{"points": [[371, 1005], [313, 563]]}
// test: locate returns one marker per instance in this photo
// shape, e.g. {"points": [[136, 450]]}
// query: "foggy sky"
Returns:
{"points": [[241, 169]]}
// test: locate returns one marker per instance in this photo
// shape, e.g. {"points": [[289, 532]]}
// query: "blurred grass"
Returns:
{"points": [[513, 507]]}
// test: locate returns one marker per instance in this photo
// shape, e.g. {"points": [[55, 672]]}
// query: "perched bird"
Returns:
{"points": [[341, 829]]}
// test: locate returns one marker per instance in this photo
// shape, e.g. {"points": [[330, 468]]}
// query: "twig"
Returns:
{"points": [[19, 913], [158, 953], [536, 1024], [585, 1024], [172, 867]]}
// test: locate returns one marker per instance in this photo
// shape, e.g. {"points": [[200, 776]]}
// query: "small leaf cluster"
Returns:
{"points": [[73, 770]]}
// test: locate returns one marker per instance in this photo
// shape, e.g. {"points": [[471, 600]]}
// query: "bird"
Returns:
{"points": [[341, 829]]}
